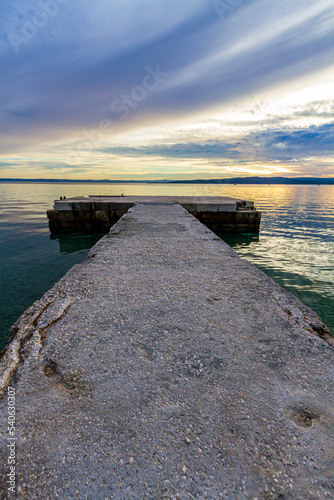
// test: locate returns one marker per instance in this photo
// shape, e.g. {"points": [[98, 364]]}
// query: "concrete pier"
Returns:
{"points": [[99, 213], [165, 366]]}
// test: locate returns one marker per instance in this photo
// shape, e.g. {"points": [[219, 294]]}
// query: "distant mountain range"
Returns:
{"points": [[261, 180], [234, 180]]}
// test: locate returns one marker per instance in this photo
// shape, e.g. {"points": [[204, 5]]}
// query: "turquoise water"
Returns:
{"points": [[294, 247]]}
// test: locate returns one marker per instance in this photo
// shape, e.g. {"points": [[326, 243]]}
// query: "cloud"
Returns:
{"points": [[269, 146], [210, 149], [70, 71], [295, 144], [78, 58]]}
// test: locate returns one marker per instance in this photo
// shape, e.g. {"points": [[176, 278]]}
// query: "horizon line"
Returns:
{"points": [[224, 180]]}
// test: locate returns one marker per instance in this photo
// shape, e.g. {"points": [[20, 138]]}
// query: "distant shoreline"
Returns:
{"points": [[328, 181]]}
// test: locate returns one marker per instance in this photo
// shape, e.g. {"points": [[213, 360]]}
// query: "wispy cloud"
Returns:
{"points": [[268, 146], [81, 61]]}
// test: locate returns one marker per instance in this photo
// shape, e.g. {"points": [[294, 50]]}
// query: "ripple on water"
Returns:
{"points": [[294, 247]]}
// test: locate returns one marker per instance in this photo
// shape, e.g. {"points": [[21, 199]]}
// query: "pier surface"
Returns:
{"points": [[165, 366], [99, 213]]}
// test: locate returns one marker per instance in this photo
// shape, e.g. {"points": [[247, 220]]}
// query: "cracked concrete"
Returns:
{"points": [[165, 366]]}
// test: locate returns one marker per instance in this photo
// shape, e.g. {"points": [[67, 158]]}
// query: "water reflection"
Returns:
{"points": [[75, 242], [235, 239]]}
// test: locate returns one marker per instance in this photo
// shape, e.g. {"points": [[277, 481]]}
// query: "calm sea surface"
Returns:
{"points": [[294, 247]]}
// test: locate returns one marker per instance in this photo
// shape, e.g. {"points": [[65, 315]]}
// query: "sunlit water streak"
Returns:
{"points": [[294, 247]]}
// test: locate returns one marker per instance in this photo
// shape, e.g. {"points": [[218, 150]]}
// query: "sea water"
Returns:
{"points": [[294, 246]]}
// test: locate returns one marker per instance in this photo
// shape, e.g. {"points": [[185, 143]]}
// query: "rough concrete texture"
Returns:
{"points": [[165, 366]]}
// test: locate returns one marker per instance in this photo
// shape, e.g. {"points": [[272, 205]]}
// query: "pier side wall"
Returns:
{"points": [[100, 216]]}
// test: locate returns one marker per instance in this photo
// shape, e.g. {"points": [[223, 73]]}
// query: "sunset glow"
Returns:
{"points": [[166, 90]]}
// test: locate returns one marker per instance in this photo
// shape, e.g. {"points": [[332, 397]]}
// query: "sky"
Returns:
{"points": [[166, 89]]}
